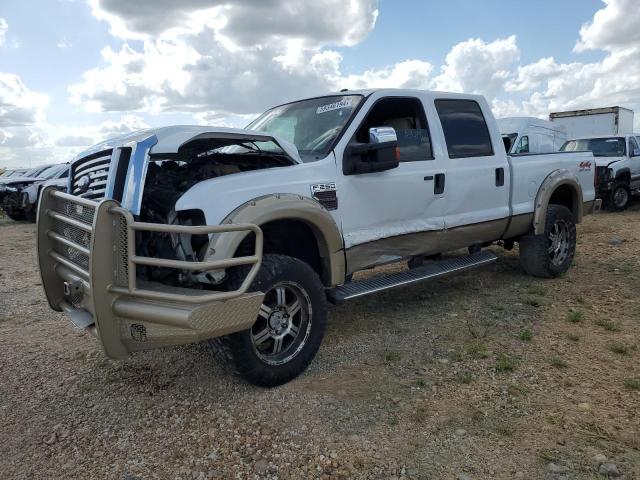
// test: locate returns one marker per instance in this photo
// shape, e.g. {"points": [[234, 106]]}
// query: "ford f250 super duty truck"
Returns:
{"points": [[617, 161], [183, 234]]}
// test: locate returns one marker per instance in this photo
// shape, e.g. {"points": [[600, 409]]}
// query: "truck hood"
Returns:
{"points": [[170, 139], [606, 161], [14, 181]]}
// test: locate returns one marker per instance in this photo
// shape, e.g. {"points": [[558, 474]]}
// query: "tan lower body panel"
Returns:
{"points": [[382, 251]]}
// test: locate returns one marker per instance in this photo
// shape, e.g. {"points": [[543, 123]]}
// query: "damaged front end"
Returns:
{"points": [[117, 257]]}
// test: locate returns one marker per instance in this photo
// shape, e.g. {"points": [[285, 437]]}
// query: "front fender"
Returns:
{"points": [[554, 180], [269, 208]]}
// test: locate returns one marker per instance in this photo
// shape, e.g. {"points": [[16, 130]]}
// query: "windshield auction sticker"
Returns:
{"points": [[344, 103]]}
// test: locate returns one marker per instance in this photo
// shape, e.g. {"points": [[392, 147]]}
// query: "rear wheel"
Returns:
{"points": [[550, 254], [288, 329]]}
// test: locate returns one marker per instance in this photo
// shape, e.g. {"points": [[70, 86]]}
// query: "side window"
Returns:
{"points": [[407, 117], [464, 127], [65, 174], [523, 145], [633, 146]]}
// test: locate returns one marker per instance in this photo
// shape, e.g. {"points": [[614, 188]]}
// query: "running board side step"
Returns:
{"points": [[430, 271]]}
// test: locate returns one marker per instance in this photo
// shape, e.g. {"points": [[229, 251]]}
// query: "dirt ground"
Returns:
{"points": [[486, 375]]}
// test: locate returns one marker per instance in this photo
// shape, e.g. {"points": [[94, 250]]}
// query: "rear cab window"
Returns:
{"points": [[465, 128]]}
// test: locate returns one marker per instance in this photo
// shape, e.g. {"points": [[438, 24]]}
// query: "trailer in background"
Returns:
{"points": [[595, 121]]}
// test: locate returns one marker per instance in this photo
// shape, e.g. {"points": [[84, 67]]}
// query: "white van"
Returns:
{"points": [[531, 135]]}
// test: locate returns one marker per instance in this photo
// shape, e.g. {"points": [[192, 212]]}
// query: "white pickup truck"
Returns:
{"points": [[617, 160], [182, 234]]}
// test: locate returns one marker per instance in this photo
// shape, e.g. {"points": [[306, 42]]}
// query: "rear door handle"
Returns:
{"points": [[499, 177], [438, 186]]}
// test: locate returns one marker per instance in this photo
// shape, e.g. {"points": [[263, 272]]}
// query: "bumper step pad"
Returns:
{"points": [[430, 271]]}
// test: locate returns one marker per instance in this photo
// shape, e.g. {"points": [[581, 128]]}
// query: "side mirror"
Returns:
{"points": [[635, 152], [380, 154]]}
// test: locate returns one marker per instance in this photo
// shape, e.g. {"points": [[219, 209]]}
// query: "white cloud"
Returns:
{"points": [[64, 43], [224, 56], [3, 30], [19, 106], [406, 74], [475, 66], [614, 27]]}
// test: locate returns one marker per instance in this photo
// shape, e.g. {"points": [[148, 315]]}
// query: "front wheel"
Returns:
{"points": [[289, 327], [620, 196], [550, 254]]}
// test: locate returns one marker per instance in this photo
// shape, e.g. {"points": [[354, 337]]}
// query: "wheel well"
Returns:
{"points": [[293, 238], [626, 176], [565, 195]]}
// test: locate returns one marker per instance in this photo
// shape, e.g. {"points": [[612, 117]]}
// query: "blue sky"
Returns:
{"points": [[173, 62]]}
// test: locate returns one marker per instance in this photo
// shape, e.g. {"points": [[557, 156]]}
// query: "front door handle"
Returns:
{"points": [[438, 186], [499, 177]]}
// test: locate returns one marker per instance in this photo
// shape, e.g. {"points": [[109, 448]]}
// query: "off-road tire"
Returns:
{"points": [[16, 215], [535, 255], [618, 198], [237, 351]]}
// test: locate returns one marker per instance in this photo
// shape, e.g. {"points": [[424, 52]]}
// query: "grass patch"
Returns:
{"points": [[632, 384], [526, 335], [558, 362], [516, 390], [504, 363], [573, 337], [619, 348], [537, 290], [608, 325], [465, 378], [392, 356], [575, 317], [580, 299], [532, 301], [420, 383], [478, 351]]}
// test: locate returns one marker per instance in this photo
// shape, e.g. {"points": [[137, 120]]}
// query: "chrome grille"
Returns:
{"points": [[95, 168]]}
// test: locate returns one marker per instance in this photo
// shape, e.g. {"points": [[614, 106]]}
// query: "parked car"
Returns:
{"points": [[11, 172], [11, 189], [531, 135], [617, 166], [182, 234], [30, 195], [595, 122]]}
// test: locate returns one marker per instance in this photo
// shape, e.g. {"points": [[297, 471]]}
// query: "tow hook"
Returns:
{"points": [[72, 288]]}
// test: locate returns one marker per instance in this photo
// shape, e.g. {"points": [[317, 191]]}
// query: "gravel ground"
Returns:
{"points": [[485, 375]]}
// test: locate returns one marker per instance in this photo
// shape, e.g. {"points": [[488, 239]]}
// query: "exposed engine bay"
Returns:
{"points": [[168, 177]]}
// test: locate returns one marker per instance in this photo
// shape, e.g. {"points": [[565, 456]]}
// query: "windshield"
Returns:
{"points": [[600, 147], [311, 125], [52, 171]]}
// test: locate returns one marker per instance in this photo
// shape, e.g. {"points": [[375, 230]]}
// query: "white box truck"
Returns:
{"points": [[595, 122]]}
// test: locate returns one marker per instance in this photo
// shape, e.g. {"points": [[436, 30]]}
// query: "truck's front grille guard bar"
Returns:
{"points": [[132, 226], [133, 259]]}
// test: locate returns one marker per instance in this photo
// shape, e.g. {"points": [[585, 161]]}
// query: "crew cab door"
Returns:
{"points": [[477, 173], [634, 157], [381, 210]]}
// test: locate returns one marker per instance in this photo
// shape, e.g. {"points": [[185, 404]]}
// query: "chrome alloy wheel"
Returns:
{"points": [[559, 242], [283, 323]]}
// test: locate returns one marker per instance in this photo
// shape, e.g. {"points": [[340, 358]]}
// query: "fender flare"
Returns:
{"points": [[554, 180], [622, 171], [269, 208]]}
